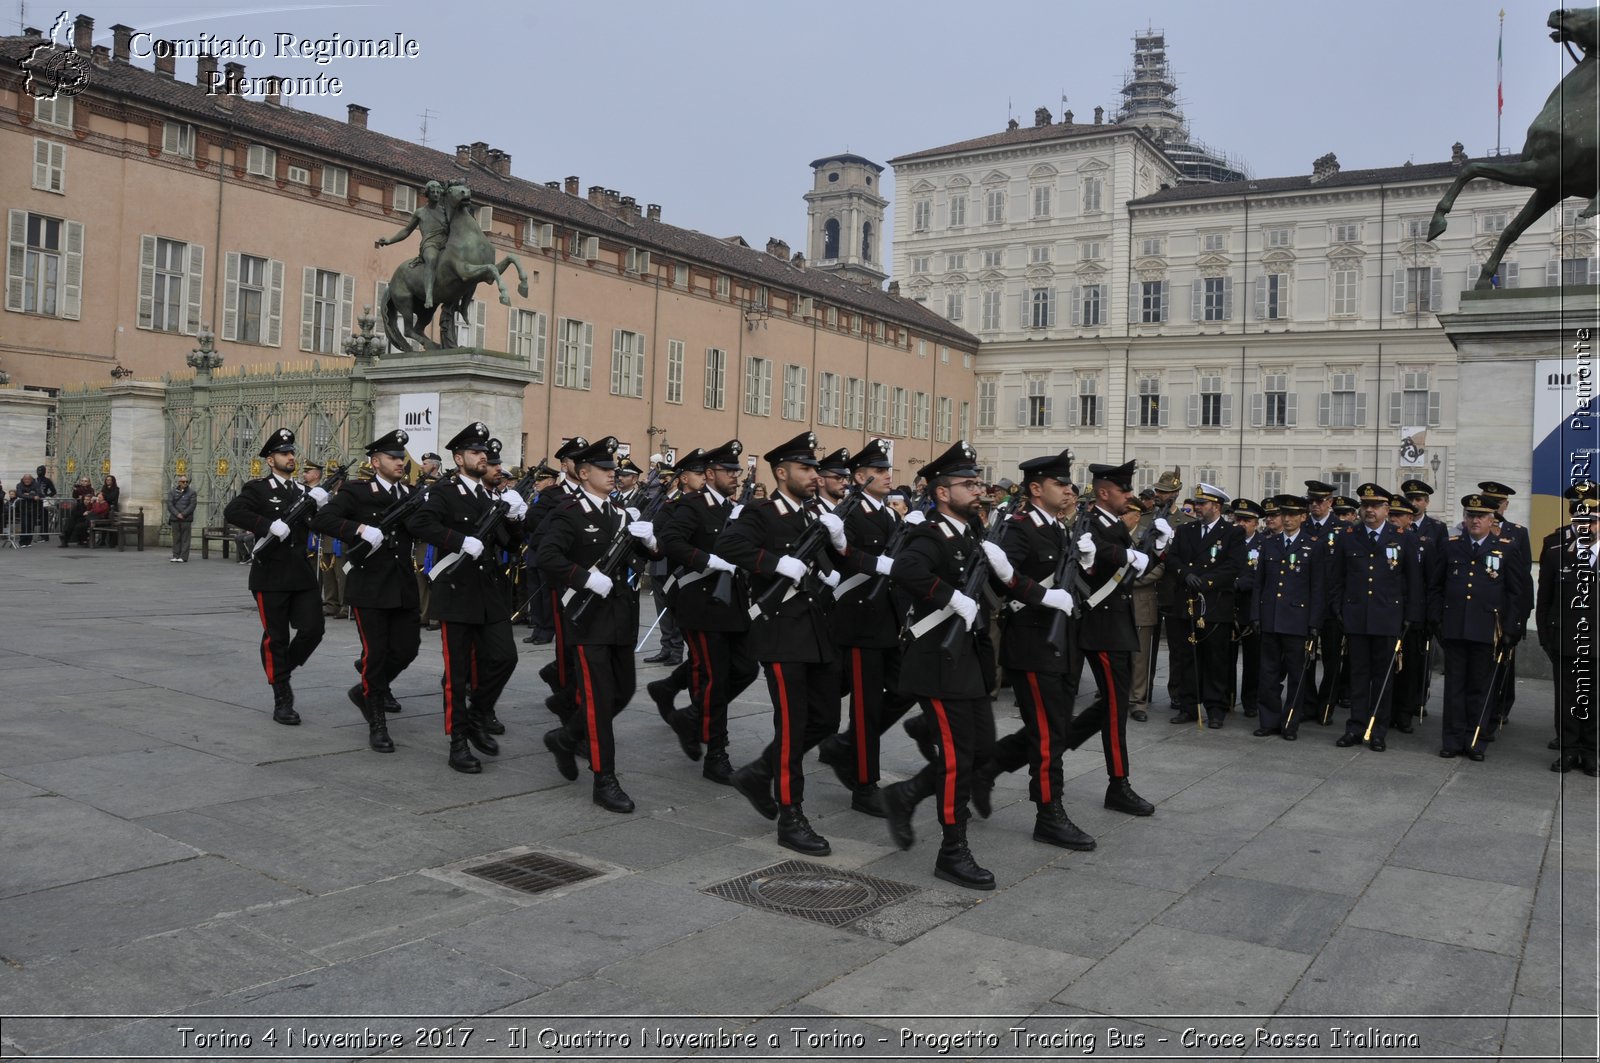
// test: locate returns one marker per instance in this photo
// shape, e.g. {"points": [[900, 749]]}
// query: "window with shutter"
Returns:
{"points": [[49, 166], [526, 329], [193, 288], [44, 265], [262, 161], [405, 198], [336, 182], [245, 297], [177, 138], [758, 387], [675, 349], [716, 378], [1091, 195], [1343, 291], [163, 270], [56, 110], [958, 211]]}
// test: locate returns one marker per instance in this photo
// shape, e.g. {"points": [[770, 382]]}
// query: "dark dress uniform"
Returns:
{"points": [[1289, 603], [1107, 638], [576, 536], [1334, 667], [379, 588], [1214, 556], [1411, 670], [1506, 694], [1246, 636], [283, 578], [1377, 589], [1568, 617], [1482, 593], [470, 603], [557, 673]]}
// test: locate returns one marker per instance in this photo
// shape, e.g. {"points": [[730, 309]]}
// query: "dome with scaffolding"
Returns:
{"points": [[1150, 103]]}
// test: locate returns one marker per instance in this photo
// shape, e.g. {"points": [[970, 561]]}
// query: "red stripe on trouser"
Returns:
{"points": [[589, 709], [1118, 769], [784, 739], [858, 713], [366, 654], [1044, 737], [561, 638], [947, 751], [266, 638], [449, 684], [709, 678], [696, 659]]}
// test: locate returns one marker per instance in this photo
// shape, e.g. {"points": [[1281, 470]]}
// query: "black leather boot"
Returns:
{"points": [[492, 724], [551, 673], [900, 801], [1052, 827], [389, 703], [955, 862], [718, 768], [1121, 798], [378, 726], [662, 691], [359, 701], [608, 794], [559, 743], [983, 776], [921, 733], [754, 780], [794, 832], [481, 739], [688, 731], [835, 752], [283, 704], [868, 800], [461, 757]]}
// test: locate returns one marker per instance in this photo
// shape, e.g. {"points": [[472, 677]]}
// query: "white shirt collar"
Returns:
{"points": [[599, 502], [716, 496], [1050, 518], [871, 503], [383, 483]]}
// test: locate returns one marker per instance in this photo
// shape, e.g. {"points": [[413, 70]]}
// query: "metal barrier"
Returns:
{"points": [[26, 521]]}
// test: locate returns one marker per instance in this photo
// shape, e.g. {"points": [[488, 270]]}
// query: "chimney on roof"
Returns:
{"points": [[83, 34], [778, 249], [894, 289], [356, 115], [1066, 117], [205, 72], [572, 186], [1458, 154], [463, 154], [554, 186], [1099, 116], [1011, 124], [652, 211], [232, 77], [1041, 117], [166, 61], [480, 153], [499, 162], [613, 203], [102, 56], [121, 42], [32, 31], [798, 261], [1324, 167], [630, 207], [273, 90], [597, 195]]}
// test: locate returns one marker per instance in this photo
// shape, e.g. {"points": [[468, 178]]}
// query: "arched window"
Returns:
{"points": [[866, 242], [830, 238]]}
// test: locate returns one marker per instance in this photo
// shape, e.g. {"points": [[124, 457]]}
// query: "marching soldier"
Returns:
{"points": [[1044, 673], [283, 578], [627, 494], [1569, 601], [480, 652], [1379, 593], [1206, 558], [672, 641], [536, 598], [711, 604], [599, 618], [1505, 694], [1106, 634], [381, 589], [1482, 597], [557, 674], [1288, 607], [422, 557], [1247, 516], [866, 623], [789, 637]]}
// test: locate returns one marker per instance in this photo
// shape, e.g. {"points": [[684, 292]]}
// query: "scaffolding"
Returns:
{"points": [[1150, 102]]}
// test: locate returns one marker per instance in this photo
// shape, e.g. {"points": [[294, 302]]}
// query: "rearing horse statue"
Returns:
{"points": [[1559, 157], [466, 261]]}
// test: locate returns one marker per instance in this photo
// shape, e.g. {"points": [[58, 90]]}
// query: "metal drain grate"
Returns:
{"points": [[532, 872], [822, 894]]}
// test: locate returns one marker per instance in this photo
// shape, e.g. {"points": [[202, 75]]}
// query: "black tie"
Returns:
{"points": [[1374, 534], [482, 494]]}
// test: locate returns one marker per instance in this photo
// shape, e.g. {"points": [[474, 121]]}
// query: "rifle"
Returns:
{"points": [[722, 591], [972, 586], [392, 518], [617, 552], [299, 507], [1067, 570], [805, 550], [486, 525]]}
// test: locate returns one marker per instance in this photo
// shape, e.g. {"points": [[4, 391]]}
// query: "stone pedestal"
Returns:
{"points": [[138, 448], [472, 384], [1498, 337], [24, 416]]}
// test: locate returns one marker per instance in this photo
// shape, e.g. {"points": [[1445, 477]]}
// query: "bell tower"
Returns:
{"points": [[845, 219]]}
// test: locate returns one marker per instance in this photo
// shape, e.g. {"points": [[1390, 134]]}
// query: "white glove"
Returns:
{"points": [[631, 511], [472, 547], [599, 583], [717, 564], [831, 579], [279, 530], [835, 528], [1139, 560], [792, 568], [644, 531], [965, 608], [318, 495], [1056, 598], [519, 505], [884, 565], [999, 564], [916, 516], [733, 515], [1086, 551], [373, 536], [1163, 533]]}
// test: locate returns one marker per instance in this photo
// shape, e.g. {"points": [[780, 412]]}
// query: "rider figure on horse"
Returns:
{"points": [[434, 222]]}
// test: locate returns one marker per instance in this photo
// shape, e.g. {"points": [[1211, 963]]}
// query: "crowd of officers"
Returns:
{"points": [[855, 604]]}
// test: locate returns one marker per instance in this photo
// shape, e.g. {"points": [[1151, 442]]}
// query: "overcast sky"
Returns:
{"points": [[714, 108]]}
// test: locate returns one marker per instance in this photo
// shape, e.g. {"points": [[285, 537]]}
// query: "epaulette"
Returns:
{"points": [[949, 532], [1033, 515], [1453, 538], [1504, 539]]}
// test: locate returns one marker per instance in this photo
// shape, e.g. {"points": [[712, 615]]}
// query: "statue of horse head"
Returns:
{"points": [[1579, 26]]}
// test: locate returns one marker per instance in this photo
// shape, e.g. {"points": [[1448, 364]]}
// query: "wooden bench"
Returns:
{"points": [[120, 525], [221, 534]]}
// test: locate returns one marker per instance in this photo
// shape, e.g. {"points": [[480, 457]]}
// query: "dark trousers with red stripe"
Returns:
{"points": [[280, 611], [958, 727], [602, 685], [720, 667], [1113, 672], [1045, 701], [477, 657], [805, 710], [871, 677], [390, 639], [559, 673]]}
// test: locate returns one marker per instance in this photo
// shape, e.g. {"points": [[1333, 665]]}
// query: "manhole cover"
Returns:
{"points": [[822, 894], [532, 872], [77, 582]]}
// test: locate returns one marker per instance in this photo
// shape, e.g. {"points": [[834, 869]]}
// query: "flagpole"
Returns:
{"points": [[1499, 81]]}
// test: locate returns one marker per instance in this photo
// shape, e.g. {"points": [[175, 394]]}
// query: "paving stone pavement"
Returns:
{"points": [[170, 854]]}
